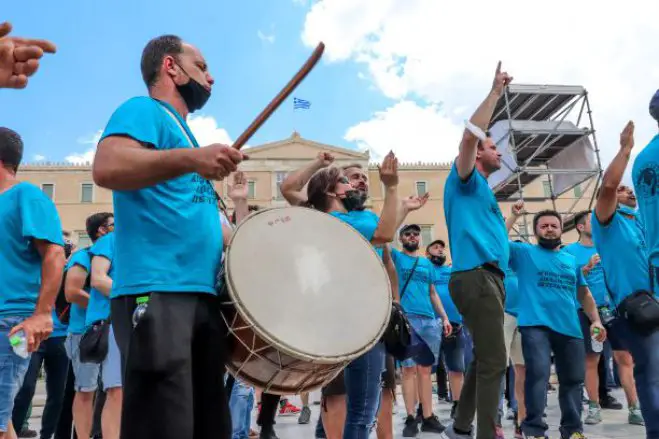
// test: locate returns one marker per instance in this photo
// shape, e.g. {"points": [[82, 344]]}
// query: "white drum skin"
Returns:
{"points": [[308, 295]]}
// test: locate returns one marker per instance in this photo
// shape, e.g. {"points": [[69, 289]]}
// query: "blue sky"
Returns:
{"points": [[252, 47], [397, 75]]}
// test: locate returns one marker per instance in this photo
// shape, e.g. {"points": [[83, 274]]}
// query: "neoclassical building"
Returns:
{"points": [[76, 196]]}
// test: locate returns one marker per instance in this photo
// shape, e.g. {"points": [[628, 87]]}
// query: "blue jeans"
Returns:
{"points": [[645, 352], [538, 342], [512, 400], [52, 355], [363, 378], [12, 371], [241, 404]]}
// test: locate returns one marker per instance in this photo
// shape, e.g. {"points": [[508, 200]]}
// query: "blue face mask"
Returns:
{"points": [[627, 210]]}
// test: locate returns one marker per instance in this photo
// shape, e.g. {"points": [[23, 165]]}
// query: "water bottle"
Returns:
{"points": [[597, 346], [142, 304], [18, 343]]}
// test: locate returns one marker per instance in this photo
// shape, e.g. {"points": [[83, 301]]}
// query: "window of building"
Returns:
{"points": [[577, 191], [87, 193], [251, 189], [281, 176], [49, 190], [547, 188], [426, 235], [421, 188], [83, 239]]}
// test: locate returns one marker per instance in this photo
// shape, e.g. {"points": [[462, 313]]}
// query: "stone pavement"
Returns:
{"points": [[614, 426]]}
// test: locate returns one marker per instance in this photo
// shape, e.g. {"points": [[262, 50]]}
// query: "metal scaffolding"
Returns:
{"points": [[538, 129]]}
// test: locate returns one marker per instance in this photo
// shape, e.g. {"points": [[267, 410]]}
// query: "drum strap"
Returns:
{"points": [[407, 282]]}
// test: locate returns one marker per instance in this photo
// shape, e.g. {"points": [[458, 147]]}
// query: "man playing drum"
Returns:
{"points": [[168, 248]]}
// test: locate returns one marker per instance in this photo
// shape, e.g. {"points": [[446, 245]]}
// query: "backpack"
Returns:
{"points": [[62, 306]]}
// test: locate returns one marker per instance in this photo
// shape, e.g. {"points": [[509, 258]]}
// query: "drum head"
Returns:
{"points": [[309, 283]]}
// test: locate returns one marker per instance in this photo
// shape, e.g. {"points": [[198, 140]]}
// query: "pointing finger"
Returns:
{"points": [[498, 68]]}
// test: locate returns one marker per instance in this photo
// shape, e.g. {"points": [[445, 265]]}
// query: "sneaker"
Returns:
{"points": [[578, 435], [432, 425], [454, 409], [498, 432], [518, 432], [450, 433], [268, 434], [288, 409], [305, 416], [253, 434], [510, 414], [26, 432], [635, 417], [411, 428], [594, 415], [610, 403]]}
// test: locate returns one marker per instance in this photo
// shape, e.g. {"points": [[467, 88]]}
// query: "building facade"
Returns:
{"points": [[73, 191]]}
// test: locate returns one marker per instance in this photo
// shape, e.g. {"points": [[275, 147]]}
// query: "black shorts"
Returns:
{"points": [[337, 386], [173, 367], [617, 343]]}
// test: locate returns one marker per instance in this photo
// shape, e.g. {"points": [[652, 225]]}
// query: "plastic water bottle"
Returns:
{"points": [[597, 346], [142, 304], [18, 343]]}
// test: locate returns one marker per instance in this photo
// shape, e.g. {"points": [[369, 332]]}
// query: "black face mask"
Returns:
{"points": [[549, 243], [193, 93], [438, 260], [411, 246], [353, 200]]}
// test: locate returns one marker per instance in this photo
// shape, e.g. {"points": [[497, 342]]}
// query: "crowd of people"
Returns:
{"points": [[140, 350]]}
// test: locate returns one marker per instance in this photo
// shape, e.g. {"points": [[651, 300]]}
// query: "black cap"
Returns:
{"points": [[654, 106], [408, 227], [436, 241]]}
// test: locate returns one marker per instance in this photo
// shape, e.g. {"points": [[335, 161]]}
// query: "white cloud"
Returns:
{"points": [[39, 158], [204, 128], [431, 51], [266, 38], [431, 140]]}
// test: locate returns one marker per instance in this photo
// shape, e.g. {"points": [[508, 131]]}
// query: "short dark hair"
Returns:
{"points": [[479, 145], [351, 165], [95, 222], [153, 54], [543, 213], [580, 218], [11, 149]]}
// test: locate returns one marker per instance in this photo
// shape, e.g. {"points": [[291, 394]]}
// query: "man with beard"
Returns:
{"points": [[597, 369], [618, 234], [549, 279], [168, 250], [421, 303], [478, 235]]}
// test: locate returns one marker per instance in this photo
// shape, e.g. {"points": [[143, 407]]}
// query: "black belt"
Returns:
{"points": [[493, 267]]}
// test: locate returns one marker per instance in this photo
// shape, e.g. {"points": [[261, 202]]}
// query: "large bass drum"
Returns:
{"points": [[305, 295]]}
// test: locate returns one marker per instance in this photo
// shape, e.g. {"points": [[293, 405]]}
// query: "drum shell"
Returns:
{"points": [[262, 360]]}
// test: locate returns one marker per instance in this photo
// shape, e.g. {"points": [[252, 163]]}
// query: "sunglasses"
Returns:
{"points": [[415, 234]]}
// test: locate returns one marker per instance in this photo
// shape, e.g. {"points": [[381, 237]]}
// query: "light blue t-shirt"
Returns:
{"points": [[416, 298], [363, 221], [476, 229], [169, 237], [98, 307], [77, 323], [511, 284], [621, 245], [548, 282], [645, 174], [442, 275], [595, 278], [26, 214]]}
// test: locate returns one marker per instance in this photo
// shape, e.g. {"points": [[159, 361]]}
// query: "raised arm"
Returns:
{"points": [[123, 163], [388, 224], [292, 188], [607, 201], [516, 210], [481, 118], [410, 204], [238, 192]]}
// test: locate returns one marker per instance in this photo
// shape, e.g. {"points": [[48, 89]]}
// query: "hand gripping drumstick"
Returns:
{"points": [[283, 94]]}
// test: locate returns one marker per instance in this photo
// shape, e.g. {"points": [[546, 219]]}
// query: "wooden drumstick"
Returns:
{"points": [[281, 97]]}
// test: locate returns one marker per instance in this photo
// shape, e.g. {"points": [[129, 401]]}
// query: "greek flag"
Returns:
{"points": [[301, 104]]}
